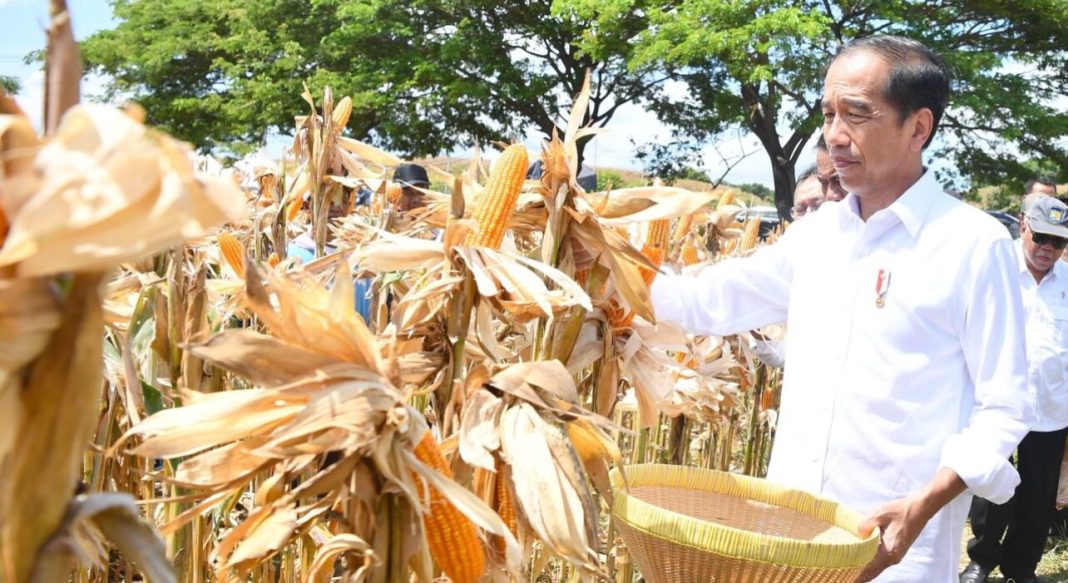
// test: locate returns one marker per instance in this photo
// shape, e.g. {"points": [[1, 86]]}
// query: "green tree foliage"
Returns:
{"points": [[756, 188], [10, 85], [426, 76], [757, 64]]}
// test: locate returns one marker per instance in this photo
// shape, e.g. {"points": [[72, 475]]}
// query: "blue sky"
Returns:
{"points": [[24, 24]]}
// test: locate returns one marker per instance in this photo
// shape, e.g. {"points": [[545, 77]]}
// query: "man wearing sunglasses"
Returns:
{"points": [[1025, 519]]}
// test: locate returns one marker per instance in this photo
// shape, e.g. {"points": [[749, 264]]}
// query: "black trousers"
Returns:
{"points": [[1024, 521]]}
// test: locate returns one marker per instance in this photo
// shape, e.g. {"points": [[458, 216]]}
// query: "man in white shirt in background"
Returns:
{"points": [[1028, 515], [808, 195], [829, 183], [907, 385]]}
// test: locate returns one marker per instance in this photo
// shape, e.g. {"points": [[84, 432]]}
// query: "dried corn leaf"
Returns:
{"points": [[59, 403], [478, 429], [554, 510], [263, 360], [106, 191], [270, 530], [114, 517], [322, 320], [214, 419], [333, 548], [392, 253], [647, 203], [19, 144], [223, 465]]}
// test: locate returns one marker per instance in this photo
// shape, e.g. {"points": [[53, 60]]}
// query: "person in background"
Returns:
{"points": [[411, 177], [896, 399], [1024, 521], [808, 196], [826, 174], [1042, 185]]}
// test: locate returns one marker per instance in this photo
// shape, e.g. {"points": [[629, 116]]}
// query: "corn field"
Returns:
{"points": [[184, 401]]}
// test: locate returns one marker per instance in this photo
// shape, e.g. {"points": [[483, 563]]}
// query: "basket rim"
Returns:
{"points": [[733, 542]]}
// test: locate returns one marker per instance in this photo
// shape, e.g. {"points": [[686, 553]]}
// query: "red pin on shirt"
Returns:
{"points": [[882, 284]]}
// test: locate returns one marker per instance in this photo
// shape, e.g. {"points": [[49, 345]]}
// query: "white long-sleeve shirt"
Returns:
{"points": [[1046, 306], [876, 399]]}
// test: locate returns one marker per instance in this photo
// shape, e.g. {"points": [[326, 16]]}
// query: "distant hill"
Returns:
{"points": [[627, 178]]}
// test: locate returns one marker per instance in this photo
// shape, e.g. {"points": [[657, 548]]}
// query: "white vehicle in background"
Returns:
{"points": [[769, 218]]}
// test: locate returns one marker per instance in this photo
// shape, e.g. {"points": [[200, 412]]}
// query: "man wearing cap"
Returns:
{"points": [[907, 385], [1024, 521], [411, 177]]}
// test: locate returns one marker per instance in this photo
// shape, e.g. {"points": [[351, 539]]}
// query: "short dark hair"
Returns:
{"points": [[918, 78], [1048, 181], [807, 173]]}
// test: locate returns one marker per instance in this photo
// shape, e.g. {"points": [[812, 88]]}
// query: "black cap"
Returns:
{"points": [[411, 175]]}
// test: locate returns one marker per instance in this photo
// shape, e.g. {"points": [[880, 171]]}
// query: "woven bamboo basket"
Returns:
{"points": [[687, 524]]}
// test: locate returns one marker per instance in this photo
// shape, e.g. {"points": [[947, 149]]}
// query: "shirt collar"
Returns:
{"points": [[911, 208]]}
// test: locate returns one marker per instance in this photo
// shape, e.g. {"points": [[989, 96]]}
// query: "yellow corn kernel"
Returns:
{"points": [[341, 114], [750, 234], [233, 252], [726, 199], [682, 228], [505, 509], [293, 209], [273, 260], [451, 536], [689, 254], [497, 203], [659, 233]]}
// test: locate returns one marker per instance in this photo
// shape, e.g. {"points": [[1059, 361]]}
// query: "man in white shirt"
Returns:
{"points": [[907, 385], [1027, 516], [832, 188], [808, 195]]}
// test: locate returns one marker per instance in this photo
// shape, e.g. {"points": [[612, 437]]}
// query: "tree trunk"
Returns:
{"points": [[782, 170]]}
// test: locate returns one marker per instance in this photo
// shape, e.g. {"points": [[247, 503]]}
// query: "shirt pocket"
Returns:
{"points": [[1054, 365]]}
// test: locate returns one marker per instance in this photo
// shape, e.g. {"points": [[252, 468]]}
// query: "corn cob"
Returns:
{"points": [[293, 209], [682, 228], [689, 254], [393, 192], [497, 203], [505, 509], [659, 233], [233, 252], [749, 236], [591, 443], [451, 536], [726, 199], [341, 114]]}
